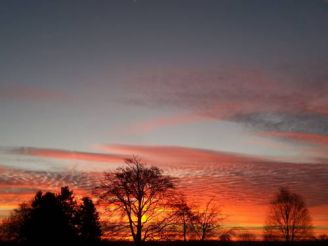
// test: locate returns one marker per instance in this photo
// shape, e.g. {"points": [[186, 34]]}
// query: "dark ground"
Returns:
{"points": [[189, 243]]}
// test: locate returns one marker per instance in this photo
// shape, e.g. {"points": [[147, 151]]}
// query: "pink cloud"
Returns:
{"points": [[67, 155], [175, 154], [196, 89], [270, 101], [299, 136]]}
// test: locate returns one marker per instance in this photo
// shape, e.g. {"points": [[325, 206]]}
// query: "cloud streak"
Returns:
{"points": [[64, 154], [171, 155], [300, 136]]}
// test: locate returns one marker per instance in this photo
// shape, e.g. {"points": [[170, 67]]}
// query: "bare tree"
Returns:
{"points": [[227, 235], [208, 221], [184, 215], [289, 218], [141, 194]]}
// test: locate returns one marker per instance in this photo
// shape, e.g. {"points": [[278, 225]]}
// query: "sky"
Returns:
{"points": [[228, 95]]}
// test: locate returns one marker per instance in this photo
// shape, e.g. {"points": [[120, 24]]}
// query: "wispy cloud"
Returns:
{"points": [[64, 154], [171, 155], [253, 89], [281, 100], [300, 136], [310, 123]]}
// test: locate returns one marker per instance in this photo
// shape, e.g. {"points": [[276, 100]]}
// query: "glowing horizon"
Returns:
{"points": [[234, 180]]}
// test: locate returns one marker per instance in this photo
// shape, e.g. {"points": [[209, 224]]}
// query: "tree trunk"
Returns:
{"points": [[184, 232], [138, 239]]}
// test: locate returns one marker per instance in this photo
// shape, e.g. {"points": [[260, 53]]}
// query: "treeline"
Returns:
{"points": [[53, 219], [141, 203]]}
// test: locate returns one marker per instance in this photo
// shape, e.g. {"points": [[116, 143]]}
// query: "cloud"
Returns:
{"points": [[299, 136], [23, 181], [314, 146], [232, 177], [284, 99], [17, 185], [64, 154], [228, 176], [257, 90], [170, 155], [311, 123]]}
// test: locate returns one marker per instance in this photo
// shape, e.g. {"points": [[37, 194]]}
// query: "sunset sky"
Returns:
{"points": [[229, 95]]}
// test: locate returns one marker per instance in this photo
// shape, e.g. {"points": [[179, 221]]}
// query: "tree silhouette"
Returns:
{"points": [[11, 228], [69, 206], [184, 215], [141, 195], [52, 219], [48, 220], [90, 229], [288, 218], [208, 220], [227, 235]]}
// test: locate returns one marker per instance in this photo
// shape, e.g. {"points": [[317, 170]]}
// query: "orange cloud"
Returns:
{"points": [[177, 154], [17, 186]]}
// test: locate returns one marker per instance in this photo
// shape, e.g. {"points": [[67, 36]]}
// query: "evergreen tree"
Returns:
{"points": [[53, 219], [47, 221], [90, 229]]}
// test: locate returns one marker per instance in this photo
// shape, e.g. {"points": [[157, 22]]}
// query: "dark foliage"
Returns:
{"points": [[47, 220], [53, 219], [90, 229]]}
